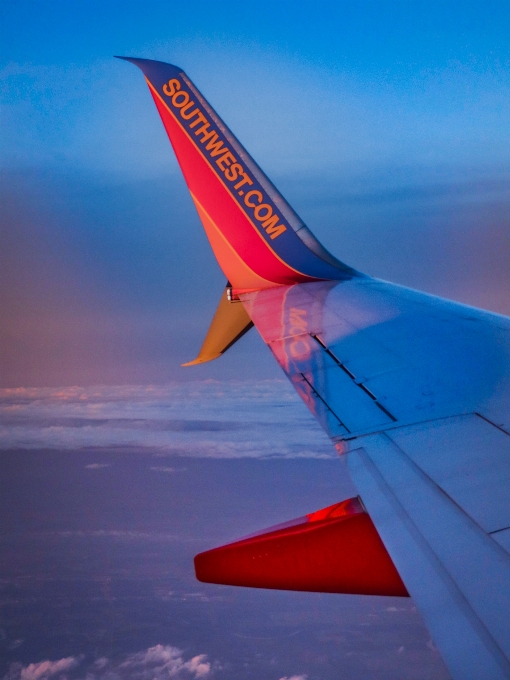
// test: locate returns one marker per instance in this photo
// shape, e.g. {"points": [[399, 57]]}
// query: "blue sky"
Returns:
{"points": [[385, 124], [369, 77]]}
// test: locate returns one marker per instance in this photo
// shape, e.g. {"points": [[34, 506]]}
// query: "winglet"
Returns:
{"points": [[257, 238], [230, 322]]}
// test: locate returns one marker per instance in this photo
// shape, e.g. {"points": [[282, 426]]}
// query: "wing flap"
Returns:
{"points": [[229, 324], [474, 473], [457, 574]]}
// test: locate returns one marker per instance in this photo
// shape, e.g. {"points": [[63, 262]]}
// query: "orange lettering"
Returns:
{"points": [[171, 87], [215, 146], [180, 103], [206, 135], [188, 106], [249, 195], [268, 210], [231, 173], [226, 158], [276, 231], [245, 180], [270, 222], [200, 119]]}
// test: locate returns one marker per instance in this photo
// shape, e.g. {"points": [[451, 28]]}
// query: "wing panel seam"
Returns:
{"points": [[351, 375]]}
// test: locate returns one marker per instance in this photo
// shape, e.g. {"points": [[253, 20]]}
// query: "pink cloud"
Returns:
{"points": [[47, 669]]}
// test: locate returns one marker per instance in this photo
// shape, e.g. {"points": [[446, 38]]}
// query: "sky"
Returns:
{"points": [[386, 126]]}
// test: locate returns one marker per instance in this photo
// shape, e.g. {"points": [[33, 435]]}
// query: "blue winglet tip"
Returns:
{"points": [[133, 60], [151, 66]]}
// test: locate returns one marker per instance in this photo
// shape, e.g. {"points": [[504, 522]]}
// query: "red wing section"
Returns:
{"points": [[334, 550]]}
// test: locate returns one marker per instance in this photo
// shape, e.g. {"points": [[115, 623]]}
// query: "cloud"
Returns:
{"points": [[295, 677], [266, 419], [160, 662], [16, 643], [158, 468], [164, 661], [48, 669], [97, 466]]}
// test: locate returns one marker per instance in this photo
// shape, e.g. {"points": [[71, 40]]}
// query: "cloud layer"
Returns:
{"points": [[48, 669], [160, 662], [211, 419]]}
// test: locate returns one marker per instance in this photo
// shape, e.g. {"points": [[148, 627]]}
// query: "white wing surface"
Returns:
{"points": [[415, 391]]}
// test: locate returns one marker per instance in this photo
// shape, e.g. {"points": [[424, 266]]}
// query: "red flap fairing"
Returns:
{"points": [[334, 550]]}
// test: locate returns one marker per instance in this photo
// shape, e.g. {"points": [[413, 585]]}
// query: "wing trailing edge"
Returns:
{"points": [[334, 550]]}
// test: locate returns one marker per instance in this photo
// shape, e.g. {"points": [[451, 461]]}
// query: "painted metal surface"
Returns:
{"points": [[435, 475], [469, 459], [257, 238], [334, 550], [230, 322], [503, 538]]}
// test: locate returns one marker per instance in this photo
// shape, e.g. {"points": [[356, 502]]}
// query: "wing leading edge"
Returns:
{"points": [[412, 389]]}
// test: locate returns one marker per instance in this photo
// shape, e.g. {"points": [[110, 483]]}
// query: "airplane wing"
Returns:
{"points": [[412, 389]]}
